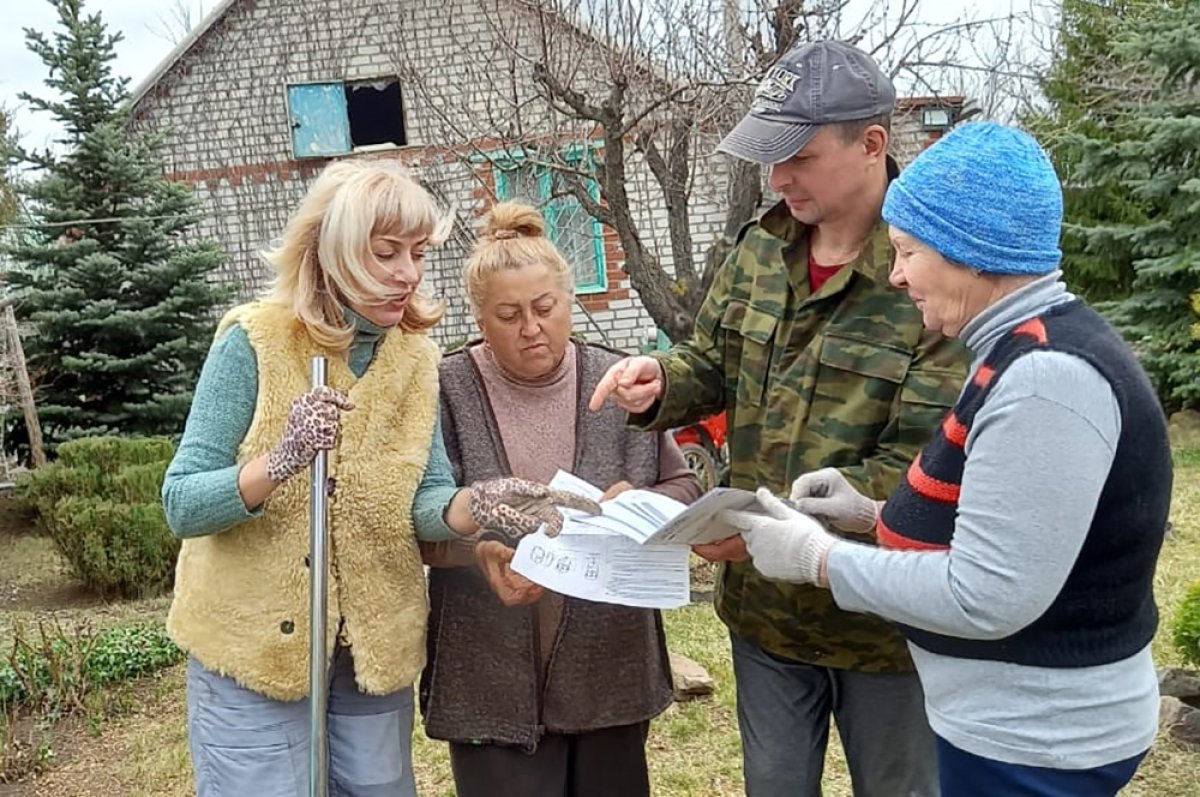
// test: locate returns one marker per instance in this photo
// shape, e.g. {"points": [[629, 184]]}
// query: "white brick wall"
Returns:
{"points": [[224, 105]]}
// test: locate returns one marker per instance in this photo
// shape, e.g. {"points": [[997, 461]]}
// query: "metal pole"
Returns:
{"points": [[318, 680]]}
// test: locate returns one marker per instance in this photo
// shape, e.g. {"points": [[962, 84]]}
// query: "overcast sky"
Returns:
{"points": [[142, 23]]}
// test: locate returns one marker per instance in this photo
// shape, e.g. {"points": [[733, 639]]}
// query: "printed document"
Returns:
{"points": [[648, 517], [606, 568], [636, 553]]}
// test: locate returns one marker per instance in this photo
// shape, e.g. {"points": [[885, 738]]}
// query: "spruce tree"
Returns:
{"points": [[1151, 157], [1084, 99], [8, 152], [111, 286]]}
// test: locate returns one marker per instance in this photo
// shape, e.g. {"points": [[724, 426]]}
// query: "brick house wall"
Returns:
{"points": [[223, 96]]}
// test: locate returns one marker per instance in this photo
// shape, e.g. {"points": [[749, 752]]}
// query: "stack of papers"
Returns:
{"points": [[635, 553]]}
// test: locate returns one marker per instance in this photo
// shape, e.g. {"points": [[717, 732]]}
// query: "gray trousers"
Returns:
{"points": [[243, 743], [784, 708]]}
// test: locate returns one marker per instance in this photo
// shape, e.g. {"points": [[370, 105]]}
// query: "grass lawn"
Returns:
{"points": [[141, 749]]}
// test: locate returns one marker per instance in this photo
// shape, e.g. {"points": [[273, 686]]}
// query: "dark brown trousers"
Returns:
{"points": [[610, 762]]}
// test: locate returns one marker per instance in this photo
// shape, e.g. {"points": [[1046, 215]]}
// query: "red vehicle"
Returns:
{"points": [[704, 447]]}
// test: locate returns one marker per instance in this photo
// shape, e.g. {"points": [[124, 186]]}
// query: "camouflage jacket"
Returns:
{"points": [[847, 378]]}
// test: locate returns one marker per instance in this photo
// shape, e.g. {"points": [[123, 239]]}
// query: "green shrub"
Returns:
{"points": [[141, 484], [39, 490], [1187, 457], [54, 669], [100, 503], [115, 548], [111, 454], [45, 670], [126, 652], [1186, 630]]}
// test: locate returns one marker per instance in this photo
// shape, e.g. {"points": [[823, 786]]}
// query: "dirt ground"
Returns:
{"points": [[36, 587]]}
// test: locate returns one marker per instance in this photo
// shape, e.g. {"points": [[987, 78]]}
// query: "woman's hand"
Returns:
{"points": [[615, 490], [825, 494], [515, 507], [784, 544], [513, 589], [313, 423]]}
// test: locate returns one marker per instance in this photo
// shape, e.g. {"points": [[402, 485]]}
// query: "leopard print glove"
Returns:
{"points": [[312, 426], [512, 507]]}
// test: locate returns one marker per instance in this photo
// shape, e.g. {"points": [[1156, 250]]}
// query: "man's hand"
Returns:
{"points": [[730, 549], [513, 589], [635, 382]]}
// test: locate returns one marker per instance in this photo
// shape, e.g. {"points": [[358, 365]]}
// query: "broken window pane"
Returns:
{"points": [[376, 112]]}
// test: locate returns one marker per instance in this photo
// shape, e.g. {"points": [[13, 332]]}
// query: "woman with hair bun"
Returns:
{"points": [[539, 695], [348, 266]]}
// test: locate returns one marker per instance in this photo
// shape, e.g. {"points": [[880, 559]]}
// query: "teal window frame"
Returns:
{"points": [[510, 161]]}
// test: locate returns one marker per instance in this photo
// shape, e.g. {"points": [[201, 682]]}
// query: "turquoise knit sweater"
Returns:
{"points": [[200, 492]]}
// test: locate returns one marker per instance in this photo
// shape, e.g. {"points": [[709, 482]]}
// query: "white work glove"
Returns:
{"points": [[784, 544], [825, 494]]}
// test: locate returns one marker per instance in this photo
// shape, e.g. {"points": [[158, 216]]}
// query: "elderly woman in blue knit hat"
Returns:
{"points": [[1018, 553]]}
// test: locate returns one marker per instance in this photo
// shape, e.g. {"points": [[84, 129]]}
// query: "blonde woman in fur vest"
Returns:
{"points": [[539, 695], [348, 266]]}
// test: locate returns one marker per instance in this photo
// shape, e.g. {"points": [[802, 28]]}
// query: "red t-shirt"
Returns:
{"points": [[818, 274]]}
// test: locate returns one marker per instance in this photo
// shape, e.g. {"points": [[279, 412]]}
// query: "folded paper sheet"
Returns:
{"points": [[635, 554]]}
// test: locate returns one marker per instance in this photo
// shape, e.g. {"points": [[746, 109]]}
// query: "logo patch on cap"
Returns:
{"points": [[774, 89]]}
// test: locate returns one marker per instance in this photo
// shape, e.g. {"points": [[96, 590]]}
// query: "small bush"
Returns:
{"points": [[116, 548], [112, 454], [25, 747], [53, 670], [1187, 457], [1186, 630], [45, 669], [126, 652], [100, 503], [39, 490], [141, 484]]}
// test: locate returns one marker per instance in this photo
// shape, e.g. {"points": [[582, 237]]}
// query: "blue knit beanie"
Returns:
{"points": [[985, 196]]}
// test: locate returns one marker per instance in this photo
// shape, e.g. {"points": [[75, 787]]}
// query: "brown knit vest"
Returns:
{"points": [[484, 682]]}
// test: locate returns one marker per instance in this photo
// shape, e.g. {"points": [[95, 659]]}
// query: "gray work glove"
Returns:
{"points": [[826, 495], [313, 422], [784, 544]]}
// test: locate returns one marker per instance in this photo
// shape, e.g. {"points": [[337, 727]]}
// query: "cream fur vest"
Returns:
{"points": [[241, 603]]}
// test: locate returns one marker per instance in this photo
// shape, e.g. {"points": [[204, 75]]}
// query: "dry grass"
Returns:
{"points": [[694, 748], [34, 583]]}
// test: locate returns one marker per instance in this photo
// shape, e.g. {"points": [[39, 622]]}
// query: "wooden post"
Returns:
{"points": [[16, 357]]}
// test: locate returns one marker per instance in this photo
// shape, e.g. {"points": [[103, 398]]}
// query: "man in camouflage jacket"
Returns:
{"points": [[843, 376]]}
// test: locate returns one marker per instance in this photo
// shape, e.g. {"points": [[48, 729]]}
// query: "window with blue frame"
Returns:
{"points": [[337, 118], [576, 233]]}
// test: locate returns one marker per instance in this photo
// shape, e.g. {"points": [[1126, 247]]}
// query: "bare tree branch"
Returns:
{"points": [[648, 86], [182, 16]]}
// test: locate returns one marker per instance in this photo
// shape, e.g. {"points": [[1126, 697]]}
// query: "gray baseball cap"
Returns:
{"points": [[814, 84]]}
